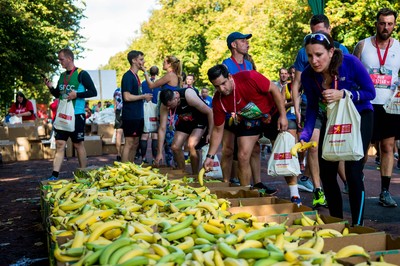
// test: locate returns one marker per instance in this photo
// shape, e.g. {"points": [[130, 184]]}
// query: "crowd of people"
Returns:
{"points": [[247, 106]]}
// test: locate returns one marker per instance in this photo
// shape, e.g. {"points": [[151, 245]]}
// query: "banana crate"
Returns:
{"points": [[271, 209], [237, 202], [389, 256], [235, 192]]}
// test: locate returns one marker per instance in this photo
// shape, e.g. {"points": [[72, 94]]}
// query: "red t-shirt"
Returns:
{"points": [[22, 109], [251, 86], [53, 108]]}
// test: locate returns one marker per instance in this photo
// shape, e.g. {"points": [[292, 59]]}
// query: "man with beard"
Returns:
{"points": [[380, 55]]}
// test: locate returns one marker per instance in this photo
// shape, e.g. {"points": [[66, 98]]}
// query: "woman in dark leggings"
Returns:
{"points": [[325, 81]]}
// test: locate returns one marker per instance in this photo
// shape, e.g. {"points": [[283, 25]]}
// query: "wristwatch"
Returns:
{"points": [[210, 156]]}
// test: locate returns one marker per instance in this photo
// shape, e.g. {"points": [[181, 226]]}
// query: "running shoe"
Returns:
{"points": [[265, 189], [52, 178], [296, 200], [187, 161], [386, 200], [234, 181], [319, 199], [118, 158], [304, 184]]}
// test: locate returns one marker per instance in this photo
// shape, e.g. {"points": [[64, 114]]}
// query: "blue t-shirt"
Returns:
{"points": [[131, 109], [208, 100], [155, 91], [352, 77], [233, 68]]}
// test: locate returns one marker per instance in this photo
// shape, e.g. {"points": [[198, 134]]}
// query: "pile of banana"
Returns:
{"points": [[126, 214]]}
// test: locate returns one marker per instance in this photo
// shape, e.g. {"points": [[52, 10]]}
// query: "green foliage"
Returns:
{"points": [[31, 33]]}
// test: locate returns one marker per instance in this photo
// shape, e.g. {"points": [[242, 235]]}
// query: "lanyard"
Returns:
{"points": [[66, 81], [234, 103], [335, 78], [382, 61], [237, 65], [137, 78]]}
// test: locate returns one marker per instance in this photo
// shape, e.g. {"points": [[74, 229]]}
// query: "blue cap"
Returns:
{"points": [[236, 35]]}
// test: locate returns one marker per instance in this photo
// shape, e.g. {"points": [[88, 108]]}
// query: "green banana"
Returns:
{"points": [[107, 251], [201, 232], [179, 226], [227, 250], [253, 253], [178, 234], [93, 258], [264, 232], [139, 260], [266, 262], [74, 252], [117, 254]]}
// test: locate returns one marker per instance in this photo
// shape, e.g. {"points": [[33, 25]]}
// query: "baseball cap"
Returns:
{"points": [[236, 35]]}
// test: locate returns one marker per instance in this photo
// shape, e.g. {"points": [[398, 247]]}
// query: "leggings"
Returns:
{"points": [[354, 175]]}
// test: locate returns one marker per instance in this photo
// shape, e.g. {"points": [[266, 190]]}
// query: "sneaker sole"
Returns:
{"points": [[304, 188], [387, 205]]}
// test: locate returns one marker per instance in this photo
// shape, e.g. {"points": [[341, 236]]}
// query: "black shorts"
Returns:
{"points": [[385, 125], [133, 128], [118, 119], [271, 130], [245, 127], [78, 135], [188, 126]]}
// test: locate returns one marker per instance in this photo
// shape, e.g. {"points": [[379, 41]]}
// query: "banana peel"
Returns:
{"points": [[301, 148]]}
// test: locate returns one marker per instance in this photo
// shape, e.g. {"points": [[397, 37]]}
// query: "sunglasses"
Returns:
{"points": [[316, 36]]}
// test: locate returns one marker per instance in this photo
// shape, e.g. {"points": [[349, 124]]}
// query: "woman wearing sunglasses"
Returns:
{"points": [[325, 80]]}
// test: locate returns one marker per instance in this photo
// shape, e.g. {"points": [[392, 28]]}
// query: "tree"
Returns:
{"points": [[31, 33]]}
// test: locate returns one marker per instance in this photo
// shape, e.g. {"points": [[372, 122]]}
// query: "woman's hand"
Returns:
{"points": [[332, 95]]}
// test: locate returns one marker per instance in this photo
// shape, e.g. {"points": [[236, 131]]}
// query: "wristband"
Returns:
{"points": [[210, 156]]}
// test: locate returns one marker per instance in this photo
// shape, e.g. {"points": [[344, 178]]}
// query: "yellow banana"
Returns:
{"points": [[318, 219], [74, 206], [213, 229], [209, 258], [328, 232], [160, 250], [240, 215], [62, 258], [218, 258], [104, 228], [197, 255], [249, 244], [201, 232], [351, 250], [97, 216], [290, 256], [201, 176], [188, 243], [113, 233], [209, 207], [295, 149], [78, 239], [62, 190], [319, 243]]}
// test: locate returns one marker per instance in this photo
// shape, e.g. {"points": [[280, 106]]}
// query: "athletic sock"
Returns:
{"points": [[294, 191], [143, 148], [385, 183], [154, 144], [55, 173]]}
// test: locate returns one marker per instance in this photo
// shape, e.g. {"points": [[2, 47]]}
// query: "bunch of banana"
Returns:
{"points": [[298, 147], [307, 221], [129, 215]]}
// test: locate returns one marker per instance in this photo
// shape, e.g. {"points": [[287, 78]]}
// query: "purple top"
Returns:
{"points": [[352, 77]]}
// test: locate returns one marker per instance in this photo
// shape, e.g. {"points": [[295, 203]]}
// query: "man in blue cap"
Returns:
{"points": [[238, 44]]}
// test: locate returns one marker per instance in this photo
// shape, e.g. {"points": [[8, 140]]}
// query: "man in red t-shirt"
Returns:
{"points": [[249, 97]]}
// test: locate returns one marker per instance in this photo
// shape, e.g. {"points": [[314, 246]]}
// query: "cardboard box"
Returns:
{"points": [[3, 133], [257, 201], [109, 149], [390, 256], [93, 145], [7, 151], [48, 153], [105, 130], [234, 192], [371, 242], [271, 209], [26, 130], [36, 151]]}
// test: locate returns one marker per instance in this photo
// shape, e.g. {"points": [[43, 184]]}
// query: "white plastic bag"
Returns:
{"points": [[114, 137], [65, 117], [150, 117], [342, 141], [393, 105], [217, 170], [281, 162], [15, 120]]}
